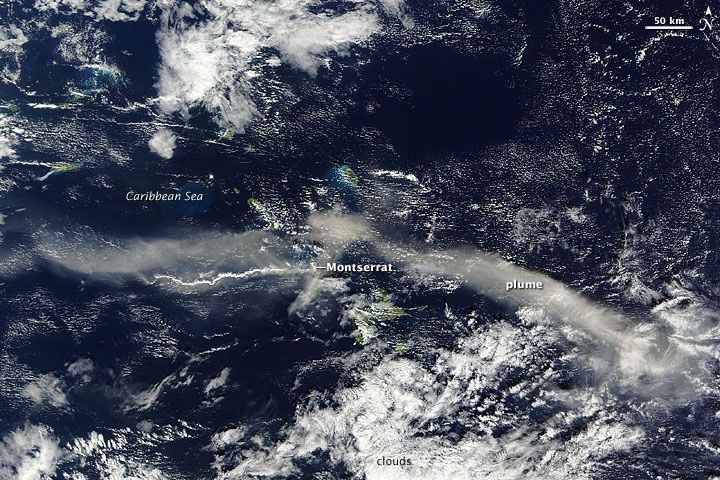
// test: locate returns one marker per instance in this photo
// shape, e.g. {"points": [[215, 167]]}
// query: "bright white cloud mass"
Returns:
{"points": [[29, 453], [402, 410], [48, 388], [207, 52], [162, 143]]}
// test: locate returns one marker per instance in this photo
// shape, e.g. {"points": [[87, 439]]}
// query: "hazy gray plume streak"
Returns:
{"points": [[189, 260], [488, 274]]}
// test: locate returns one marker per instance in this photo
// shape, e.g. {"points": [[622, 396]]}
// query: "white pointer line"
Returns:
{"points": [[668, 27]]}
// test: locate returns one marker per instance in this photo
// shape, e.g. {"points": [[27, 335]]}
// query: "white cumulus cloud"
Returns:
{"points": [[6, 147], [206, 55], [219, 381], [113, 10], [162, 143], [48, 388], [401, 410], [11, 36], [29, 453]]}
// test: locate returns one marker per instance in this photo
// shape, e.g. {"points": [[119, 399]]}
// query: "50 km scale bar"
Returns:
{"points": [[669, 23], [668, 27]]}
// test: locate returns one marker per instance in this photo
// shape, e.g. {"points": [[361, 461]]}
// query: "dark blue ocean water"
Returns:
{"points": [[468, 125]]}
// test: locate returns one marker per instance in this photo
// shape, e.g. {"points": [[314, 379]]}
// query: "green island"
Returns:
{"points": [[57, 168], [401, 347], [365, 316], [273, 223], [227, 134], [348, 175], [74, 99]]}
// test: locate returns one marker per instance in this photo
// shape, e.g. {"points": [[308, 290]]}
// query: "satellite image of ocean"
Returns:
{"points": [[359, 239]]}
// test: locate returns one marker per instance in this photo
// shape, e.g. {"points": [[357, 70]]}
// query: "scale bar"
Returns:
{"points": [[668, 27]]}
